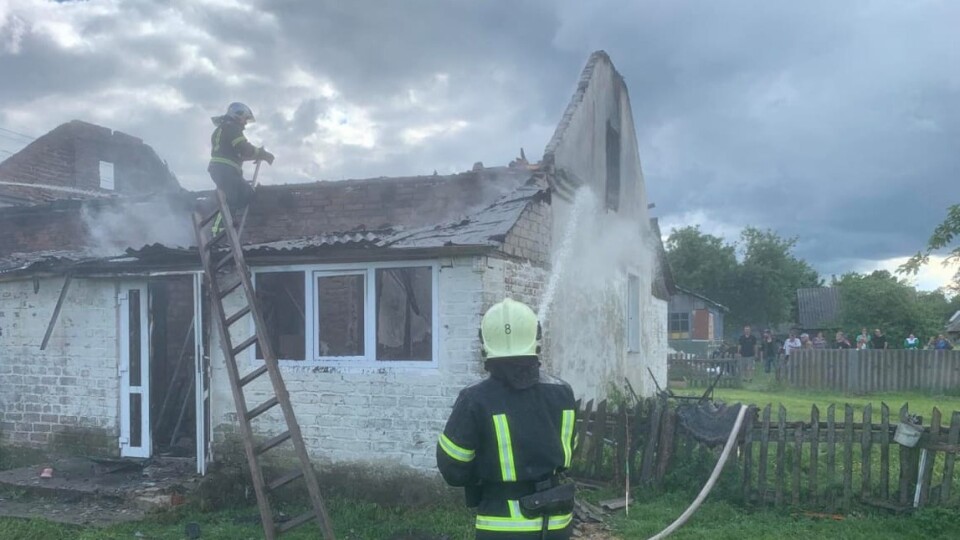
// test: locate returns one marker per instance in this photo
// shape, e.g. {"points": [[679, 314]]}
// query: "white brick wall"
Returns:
{"points": [[388, 414], [74, 382]]}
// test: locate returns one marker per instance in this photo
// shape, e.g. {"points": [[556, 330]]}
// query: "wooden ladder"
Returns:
{"points": [[218, 253]]}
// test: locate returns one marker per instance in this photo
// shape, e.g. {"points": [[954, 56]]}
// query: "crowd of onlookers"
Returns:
{"points": [[769, 348]]}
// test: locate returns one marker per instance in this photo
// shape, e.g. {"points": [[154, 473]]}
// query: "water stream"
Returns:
{"points": [[583, 199]]}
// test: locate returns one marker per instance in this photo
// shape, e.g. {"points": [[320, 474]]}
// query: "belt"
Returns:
{"points": [[512, 491]]}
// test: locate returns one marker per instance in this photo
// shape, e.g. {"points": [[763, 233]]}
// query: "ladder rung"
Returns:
{"points": [[285, 479], [270, 443], [296, 522], [253, 375], [241, 347], [209, 218], [231, 288], [262, 408], [218, 237], [227, 259], [238, 315]]}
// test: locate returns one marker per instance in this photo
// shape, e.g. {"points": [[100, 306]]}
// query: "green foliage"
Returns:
{"points": [[759, 288], [881, 300], [943, 235]]}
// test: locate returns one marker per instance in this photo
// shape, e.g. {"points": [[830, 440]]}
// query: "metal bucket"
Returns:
{"points": [[908, 434]]}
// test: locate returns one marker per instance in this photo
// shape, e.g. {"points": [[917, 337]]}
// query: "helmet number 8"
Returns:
{"points": [[506, 329]]}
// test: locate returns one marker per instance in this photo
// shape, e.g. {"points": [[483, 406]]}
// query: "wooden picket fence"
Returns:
{"points": [[691, 371], [826, 463], [873, 370]]}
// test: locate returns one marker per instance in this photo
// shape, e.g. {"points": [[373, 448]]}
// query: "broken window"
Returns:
{"points": [[633, 313], [404, 314], [613, 167], [106, 176], [340, 315], [280, 297]]}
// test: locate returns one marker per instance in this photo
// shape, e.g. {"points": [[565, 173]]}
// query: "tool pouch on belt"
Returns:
{"points": [[551, 501]]}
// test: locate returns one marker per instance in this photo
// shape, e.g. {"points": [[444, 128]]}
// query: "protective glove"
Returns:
{"points": [[266, 156]]}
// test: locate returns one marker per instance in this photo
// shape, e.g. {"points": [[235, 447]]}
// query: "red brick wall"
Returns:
{"points": [[27, 231]]}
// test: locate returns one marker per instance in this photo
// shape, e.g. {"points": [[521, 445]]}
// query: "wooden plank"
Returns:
{"points": [[831, 457], [814, 452], [599, 433], [582, 441], [866, 448], [665, 450], [781, 452], [620, 448], [649, 451], [884, 451], [927, 472], [764, 448], [748, 452], [797, 458], [904, 462], [637, 437], [56, 310], [847, 455], [948, 463]]}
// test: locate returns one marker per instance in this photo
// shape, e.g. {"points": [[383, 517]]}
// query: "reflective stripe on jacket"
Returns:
{"points": [[498, 434], [229, 146]]}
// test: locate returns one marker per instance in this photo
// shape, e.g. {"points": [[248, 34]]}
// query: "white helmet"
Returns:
{"points": [[239, 111]]}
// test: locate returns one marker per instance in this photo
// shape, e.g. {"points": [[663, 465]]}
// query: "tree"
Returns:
{"points": [[768, 278], [881, 300], [702, 263], [943, 235], [760, 289]]}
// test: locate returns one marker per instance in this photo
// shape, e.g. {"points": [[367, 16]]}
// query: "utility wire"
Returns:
{"points": [[24, 135]]}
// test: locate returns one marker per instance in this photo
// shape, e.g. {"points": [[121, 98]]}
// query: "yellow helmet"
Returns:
{"points": [[509, 328]]}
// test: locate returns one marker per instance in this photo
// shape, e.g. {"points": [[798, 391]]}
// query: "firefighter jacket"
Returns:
{"points": [[506, 438], [229, 146]]}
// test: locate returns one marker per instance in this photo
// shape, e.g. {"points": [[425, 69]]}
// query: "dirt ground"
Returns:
{"points": [[92, 513], [593, 531]]}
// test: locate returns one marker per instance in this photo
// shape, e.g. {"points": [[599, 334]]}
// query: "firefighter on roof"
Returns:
{"points": [[510, 435], [229, 149]]}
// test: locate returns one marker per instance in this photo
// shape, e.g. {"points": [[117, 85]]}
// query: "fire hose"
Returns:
{"points": [[731, 441]]}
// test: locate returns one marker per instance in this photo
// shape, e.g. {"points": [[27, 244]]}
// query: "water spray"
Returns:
{"points": [[583, 199]]}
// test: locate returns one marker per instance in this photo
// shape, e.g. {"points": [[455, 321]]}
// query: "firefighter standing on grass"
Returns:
{"points": [[229, 149], [510, 435]]}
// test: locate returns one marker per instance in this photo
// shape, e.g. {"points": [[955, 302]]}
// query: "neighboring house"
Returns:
{"points": [[372, 290], [818, 310], [953, 327], [695, 322], [82, 161]]}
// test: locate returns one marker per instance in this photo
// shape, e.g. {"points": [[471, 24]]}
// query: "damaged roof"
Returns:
{"points": [[476, 209]]}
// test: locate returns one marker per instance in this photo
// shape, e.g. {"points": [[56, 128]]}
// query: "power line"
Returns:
{"points": [[24, 135]]}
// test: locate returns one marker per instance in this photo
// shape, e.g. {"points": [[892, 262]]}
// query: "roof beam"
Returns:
{"points": [[56, 311]]}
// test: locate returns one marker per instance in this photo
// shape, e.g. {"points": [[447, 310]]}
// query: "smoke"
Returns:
{"points": [[111, 229]]}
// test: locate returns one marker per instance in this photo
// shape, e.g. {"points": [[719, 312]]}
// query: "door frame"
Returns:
{"points": [[202, 380], [127, 390]]}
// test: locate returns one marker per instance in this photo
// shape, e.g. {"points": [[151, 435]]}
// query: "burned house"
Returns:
{"points": [[372, 291]]}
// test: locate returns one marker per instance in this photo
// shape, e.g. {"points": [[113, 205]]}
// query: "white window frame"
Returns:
{"points": [[633, 313], [369, 359]]}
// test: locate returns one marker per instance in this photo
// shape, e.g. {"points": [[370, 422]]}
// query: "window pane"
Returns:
{"points": [[136, 420], [340, 321], [280, 297], [405, 313], [133, 306]]}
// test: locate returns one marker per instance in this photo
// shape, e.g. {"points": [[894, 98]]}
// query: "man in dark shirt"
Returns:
{"points": [[878, 341], [747, 346]]}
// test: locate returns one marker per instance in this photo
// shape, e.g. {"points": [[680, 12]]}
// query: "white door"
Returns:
{"points": [[134, 371], [202, 373]]}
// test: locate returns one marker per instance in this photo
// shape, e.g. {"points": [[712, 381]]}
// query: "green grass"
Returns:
{"points": [[352, 520], [763, 390], [719, 520]]}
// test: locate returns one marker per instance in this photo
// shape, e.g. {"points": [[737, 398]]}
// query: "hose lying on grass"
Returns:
{"points": [[731, 441]]}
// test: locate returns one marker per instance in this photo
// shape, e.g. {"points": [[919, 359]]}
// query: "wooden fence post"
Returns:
{"points": [[904, 462], [599, 433], [781, 448], [665, 450], [582, 430], [952, 440], [884, 452], [866, 460], [847, 455], [764, 447], [814, 452], [748, 452], [797, 458], [927, 473], [831, 457], [649, 452]]}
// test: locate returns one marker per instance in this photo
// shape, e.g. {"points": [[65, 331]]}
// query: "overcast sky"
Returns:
{"points": [[836, 122]]}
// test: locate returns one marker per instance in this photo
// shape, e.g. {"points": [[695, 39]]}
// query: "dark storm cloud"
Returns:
{"points": [[836, 122]]}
